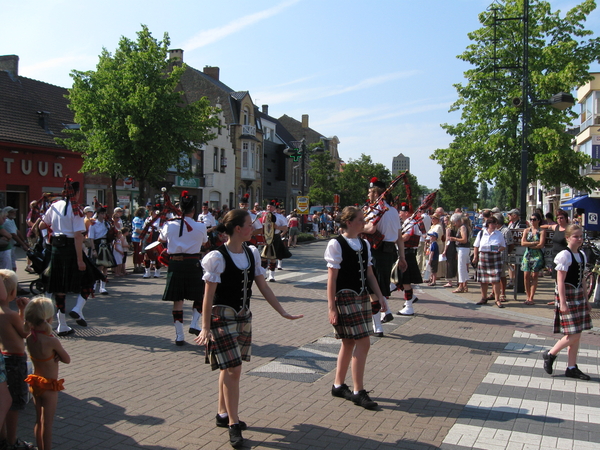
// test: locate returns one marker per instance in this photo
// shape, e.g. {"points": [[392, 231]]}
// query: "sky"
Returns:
{"points": [[379, 75]]}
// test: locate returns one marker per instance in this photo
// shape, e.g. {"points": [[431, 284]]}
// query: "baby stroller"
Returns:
{"points": [[40, 259]]}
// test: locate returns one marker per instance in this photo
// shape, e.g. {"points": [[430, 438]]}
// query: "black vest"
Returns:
{"points": [[352, 275], [575, 272], [230, 291]]}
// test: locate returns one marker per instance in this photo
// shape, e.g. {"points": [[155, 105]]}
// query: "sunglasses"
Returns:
{"points": [[533, 218]]}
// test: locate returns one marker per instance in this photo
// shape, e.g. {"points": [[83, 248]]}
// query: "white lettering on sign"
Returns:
{"points": [[58, 170], [8, 162], [26, 166], [43, 171], [593, 218]]}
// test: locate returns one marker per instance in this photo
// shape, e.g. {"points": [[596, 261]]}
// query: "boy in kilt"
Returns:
{"points": [[349, 270], [184, 238], [572, 309], [411, 235], [229, 273]]}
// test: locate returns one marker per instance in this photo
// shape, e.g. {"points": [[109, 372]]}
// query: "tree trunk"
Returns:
{"points": [[113, 181]]}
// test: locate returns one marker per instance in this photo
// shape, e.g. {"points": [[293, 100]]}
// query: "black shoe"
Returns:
{"points": [[65, 333], [363, 399], [415, 300], [195, 331], [79, 320], [378, 334], [179, 343], [576, 373], [235, 436], [388, 318], [342, 392], [548, 362], [223, 422]]}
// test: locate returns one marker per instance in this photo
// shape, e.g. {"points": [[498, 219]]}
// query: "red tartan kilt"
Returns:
{"points": [[354, 315], [257, 239], [577, 318]]}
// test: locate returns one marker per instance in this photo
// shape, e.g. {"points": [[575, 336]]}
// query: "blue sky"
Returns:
{"points": [[379, 75]]}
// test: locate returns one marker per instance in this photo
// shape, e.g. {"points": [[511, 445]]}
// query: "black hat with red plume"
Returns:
{"points": [[245, 199], [404, 207], [376, 183]]}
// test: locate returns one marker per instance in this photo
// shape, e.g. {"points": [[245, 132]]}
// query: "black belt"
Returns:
{"points": [[182, 256], [410, 250]]}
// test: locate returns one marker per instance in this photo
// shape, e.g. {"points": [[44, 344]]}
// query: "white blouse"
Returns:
{"points": [[333, 252], [563, 260], [214, 264]]}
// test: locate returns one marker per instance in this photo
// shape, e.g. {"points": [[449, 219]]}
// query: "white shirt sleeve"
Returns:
{"points": [[333, 254], [213, 265], [563, 260]]}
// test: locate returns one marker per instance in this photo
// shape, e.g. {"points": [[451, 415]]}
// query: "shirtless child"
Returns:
{"points": [[12, 344]]}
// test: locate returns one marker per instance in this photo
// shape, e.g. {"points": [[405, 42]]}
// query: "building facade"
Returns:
{"points": [[400, 164]]}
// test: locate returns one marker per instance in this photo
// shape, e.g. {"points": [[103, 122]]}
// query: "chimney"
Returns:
{"points": [[10, 64], [177, 55], [212, 72], [304, 120], [265, 109]]}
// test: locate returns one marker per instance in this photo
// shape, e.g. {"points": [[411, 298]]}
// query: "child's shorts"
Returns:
{"points": [[2, 370], [16, 372]]}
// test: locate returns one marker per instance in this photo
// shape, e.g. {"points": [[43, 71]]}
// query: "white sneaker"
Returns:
{"points": [[408, 309], [279, 265], [156, 273], [271, 277], [146, 274]]}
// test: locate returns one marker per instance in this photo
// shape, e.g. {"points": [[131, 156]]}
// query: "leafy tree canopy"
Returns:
{"points": [[133, 120], [323, 177], [487, 140], [353, 181]]}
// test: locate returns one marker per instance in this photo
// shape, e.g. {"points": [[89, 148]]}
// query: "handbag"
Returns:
{"points": [[427, 273]]}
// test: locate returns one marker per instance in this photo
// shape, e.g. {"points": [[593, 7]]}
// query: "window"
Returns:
{"points": [[245, 148], [246, 117], [295, 175], [252, 154], [216, 162], [223, 161]]}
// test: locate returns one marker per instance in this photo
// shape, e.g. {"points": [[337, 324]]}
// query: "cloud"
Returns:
{"points": [[216, 34]]}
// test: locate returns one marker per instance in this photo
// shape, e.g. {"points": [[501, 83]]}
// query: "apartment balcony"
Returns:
{"points": [[248, 130], [248, 174]]}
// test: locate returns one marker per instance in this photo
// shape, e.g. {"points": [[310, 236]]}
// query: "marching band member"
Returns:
{"points": [[152, 224], [70, 270], [207, 218], [411, 235], [184, 238], [229, 274], [98, 233], [281, 252], [256, 223], [388, 251]]}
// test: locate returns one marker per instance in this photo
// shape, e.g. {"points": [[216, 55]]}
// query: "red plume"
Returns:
{"points": [[374, 179], [184, 193]]}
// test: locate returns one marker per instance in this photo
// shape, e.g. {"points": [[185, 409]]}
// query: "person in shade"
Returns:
{"points": [[70, 269], [350, 270], [229, 273], [572, 309], [184, 238], [411, 234]]}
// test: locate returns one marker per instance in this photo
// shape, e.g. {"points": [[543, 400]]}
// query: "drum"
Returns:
{"points": [[164, 257], [257, 239], [154, 250]]}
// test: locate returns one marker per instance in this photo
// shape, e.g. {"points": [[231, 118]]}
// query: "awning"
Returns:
{"points": [[583, 202]]}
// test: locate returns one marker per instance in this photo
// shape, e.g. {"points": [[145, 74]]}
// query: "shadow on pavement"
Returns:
{"points": [[435, 339], [314, 436], [82, 423]]}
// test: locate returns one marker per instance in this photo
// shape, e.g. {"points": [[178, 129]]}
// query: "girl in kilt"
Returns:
{"points": [[350, 309], [184, 238], [229, 273], [572, 309], [487, 254]]}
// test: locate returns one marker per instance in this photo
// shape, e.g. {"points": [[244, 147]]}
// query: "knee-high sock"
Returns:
{"points": [[408, 294], [60, 300], [377, 323], [264, 263], [273, 264]]}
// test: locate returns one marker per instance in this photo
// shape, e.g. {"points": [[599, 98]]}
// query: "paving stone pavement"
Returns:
{"points": [[454, 376]]}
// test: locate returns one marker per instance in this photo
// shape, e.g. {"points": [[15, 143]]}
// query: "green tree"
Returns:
{"points": [[353, 181], [457, 185], [488, 138], [322, 175], [133, 121]]}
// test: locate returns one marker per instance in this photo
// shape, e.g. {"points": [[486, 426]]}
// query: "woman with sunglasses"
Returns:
{"points": [[532, 264], [487, 255], [559, 242]]}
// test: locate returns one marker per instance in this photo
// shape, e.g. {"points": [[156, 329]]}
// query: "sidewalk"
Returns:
{"points": [[443, 378]]}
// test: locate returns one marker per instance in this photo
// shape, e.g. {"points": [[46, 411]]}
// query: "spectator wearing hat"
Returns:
{"points": [[434, 255]]}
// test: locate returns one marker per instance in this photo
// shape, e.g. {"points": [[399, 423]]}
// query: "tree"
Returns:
{"points": [[353, 182], [487, 141], [322, 175], [133, 121]]}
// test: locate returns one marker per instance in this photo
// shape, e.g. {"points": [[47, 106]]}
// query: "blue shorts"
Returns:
{"points": [[2, 370], [16, 372]]}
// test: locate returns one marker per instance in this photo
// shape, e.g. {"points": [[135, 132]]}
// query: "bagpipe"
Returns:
{"points": [[374, 211], [155, 250], [417, 217], [268, 221]]}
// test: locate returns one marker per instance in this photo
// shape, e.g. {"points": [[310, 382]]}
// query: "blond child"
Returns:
{"points": [[119, 253], [12, 345], [46, 352]]}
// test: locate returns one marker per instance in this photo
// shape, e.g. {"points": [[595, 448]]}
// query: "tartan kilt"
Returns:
{"points": [[184, 281], [489, 268], [281, 251], [577, 318], [354, 315], [383, 263], [412, 275], [231, 338], [63, 274]]}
